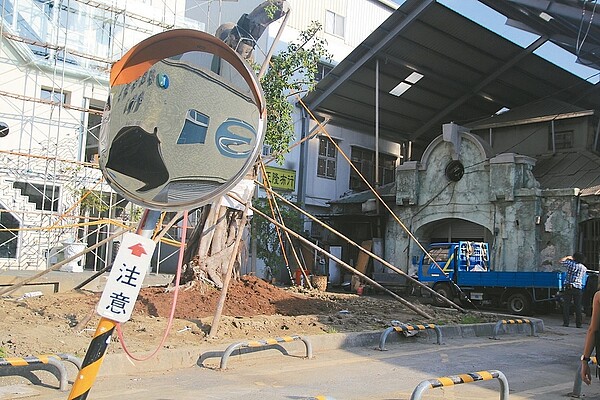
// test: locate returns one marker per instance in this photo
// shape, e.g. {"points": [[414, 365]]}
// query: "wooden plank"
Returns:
{"points": [[363, 258]]}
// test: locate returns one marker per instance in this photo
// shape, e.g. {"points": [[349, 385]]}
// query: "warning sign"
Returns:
{"points": [[126, 277]]}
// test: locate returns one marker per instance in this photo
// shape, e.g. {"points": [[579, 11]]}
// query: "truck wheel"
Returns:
{"points": [[519, 304], [445, 290]]}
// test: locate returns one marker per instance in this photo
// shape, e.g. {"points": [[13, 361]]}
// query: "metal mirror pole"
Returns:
{"points": [[103, 334]]}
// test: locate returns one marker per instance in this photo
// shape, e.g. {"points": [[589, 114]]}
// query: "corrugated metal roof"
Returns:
{"points": [[385, 191], [469, 73], [571, 24], [569, 169]]}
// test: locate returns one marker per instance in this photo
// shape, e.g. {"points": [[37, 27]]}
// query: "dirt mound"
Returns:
{"points": [[247, 297], [254, 309]]}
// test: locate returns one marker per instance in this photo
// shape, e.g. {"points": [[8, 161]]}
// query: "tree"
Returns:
{"points": [[292, 73], [268, 238]]}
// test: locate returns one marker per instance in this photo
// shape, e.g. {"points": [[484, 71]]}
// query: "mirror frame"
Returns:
{"points": [[148, 52]]}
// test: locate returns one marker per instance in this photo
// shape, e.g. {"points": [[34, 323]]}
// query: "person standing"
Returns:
{"points": [[573, 291], [590, 340]]}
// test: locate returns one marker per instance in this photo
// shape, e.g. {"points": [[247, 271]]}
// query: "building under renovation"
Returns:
{"points": [[55, 60]]}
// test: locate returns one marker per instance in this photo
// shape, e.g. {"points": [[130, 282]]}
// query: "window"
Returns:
{"points": [[326, 164], [563, 140], [93, 131], [334, 23], [267, 150], [55, 95], [8, 239], [364, 161], [45, 197], [322, 70]]}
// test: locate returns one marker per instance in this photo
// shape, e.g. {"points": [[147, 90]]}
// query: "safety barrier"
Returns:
{"points": [[463, 378], [512, 321], [264, 343], [407, 328], [50, 359], [576, 393]]}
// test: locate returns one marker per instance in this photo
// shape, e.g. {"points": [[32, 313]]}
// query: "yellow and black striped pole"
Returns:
{"points": [[103, 335], [93, 360]]}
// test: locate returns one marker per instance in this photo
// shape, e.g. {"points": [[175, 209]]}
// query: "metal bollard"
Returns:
{"points": [[76, 361], [463, 378], [406, 328], [513, 321], [50, 359], [576, 393], [264, 343]]}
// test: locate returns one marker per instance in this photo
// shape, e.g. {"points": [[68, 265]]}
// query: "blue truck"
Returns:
{"points": [[463, 270]]}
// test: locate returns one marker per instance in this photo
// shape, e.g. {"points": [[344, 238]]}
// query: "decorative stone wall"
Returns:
{"points": [[529, 228]]}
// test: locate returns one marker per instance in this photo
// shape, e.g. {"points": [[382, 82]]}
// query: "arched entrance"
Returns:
{"points": [[453, 230]]}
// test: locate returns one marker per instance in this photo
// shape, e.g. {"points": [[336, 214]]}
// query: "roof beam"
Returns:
{"points": [[352, 122], [490, 78], [373, 51]]}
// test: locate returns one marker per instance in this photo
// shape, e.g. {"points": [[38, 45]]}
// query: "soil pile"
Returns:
{"points": [[254, 309]]}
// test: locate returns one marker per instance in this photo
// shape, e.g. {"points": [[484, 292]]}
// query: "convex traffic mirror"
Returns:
{"points": [[184, 121]]}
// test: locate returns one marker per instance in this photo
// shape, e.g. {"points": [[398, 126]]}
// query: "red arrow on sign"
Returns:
{"points": [[137, 250]]}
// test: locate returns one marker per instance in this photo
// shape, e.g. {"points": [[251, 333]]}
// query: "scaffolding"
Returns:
{"points": [[55, 58]]}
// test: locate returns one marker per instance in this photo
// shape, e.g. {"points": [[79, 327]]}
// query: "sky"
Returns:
{"points": [[495, 22]]}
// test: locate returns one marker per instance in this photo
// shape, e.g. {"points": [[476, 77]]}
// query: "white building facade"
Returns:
{"points": [[55, 60]]}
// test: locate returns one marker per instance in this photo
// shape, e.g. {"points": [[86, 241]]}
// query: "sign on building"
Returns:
{"points": [[280, 178]]}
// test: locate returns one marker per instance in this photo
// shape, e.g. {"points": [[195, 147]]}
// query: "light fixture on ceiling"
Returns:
{"points": [[546, 17], [400, 88], [403, 86], [413, 78]]}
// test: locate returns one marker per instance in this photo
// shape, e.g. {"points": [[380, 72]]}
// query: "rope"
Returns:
{"points": [[173, 305]]}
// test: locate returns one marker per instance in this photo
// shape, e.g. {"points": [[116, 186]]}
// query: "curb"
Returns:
{"points": [[208, 355]]}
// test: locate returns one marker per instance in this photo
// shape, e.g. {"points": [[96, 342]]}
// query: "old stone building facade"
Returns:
{"points": [[533, 204]]}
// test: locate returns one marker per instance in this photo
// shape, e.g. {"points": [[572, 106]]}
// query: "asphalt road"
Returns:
{"points": [[541, 367]]}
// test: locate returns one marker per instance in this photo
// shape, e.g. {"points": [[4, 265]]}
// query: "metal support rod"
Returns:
{"points": [[377, 123], [263, 67], [273, 202], [375, 256], [576, 393], [14, 362], [408, 328], [108, 266], [103, 334], [343, 264]]}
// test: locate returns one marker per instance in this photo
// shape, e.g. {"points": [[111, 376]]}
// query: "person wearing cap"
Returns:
{"points": [[573, 291]]}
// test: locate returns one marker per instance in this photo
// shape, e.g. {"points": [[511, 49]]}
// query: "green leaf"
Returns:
{"points": [[292, 73]]}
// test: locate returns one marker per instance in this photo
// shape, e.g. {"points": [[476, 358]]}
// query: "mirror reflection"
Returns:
{"points": [[182, 132]]}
